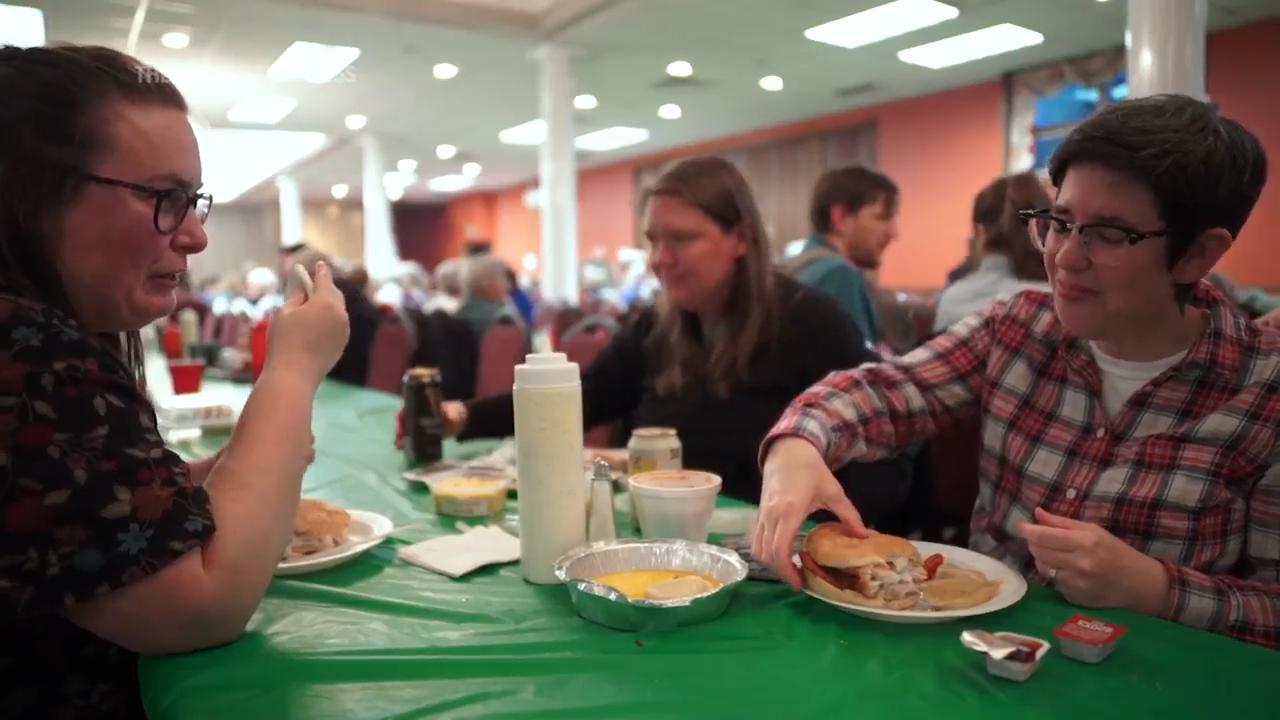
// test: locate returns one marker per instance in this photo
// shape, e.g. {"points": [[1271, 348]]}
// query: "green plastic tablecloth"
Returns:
{"points": [[376, 638]]}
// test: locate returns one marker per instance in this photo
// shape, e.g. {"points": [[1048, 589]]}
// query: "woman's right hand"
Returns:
{"points": [[308, 335], [1270, 321], [796, 483], [455, 417]]}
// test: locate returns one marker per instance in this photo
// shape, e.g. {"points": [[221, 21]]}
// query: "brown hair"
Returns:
{"points": [[1205, 170], [853, 188], [714, 186], [52, 125], [996, 208]]}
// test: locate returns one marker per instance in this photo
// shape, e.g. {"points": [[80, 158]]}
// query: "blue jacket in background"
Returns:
{"points": [[821, 267]]}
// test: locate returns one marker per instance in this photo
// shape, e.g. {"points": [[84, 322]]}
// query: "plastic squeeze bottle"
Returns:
{"points": [[553, 492]]}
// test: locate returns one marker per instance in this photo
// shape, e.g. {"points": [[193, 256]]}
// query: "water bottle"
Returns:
{"points": [[553, 493]]}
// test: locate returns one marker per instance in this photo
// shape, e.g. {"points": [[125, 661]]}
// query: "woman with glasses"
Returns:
{"points": [[111, 545], [728, 345], [1131, 419], [1008, 262]]}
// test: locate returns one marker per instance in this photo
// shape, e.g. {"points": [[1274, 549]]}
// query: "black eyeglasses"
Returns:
{"points": [[1102, 241], [172, 204]]}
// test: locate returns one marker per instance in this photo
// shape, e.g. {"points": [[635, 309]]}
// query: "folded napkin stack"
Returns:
{"points": [[457, 555]]}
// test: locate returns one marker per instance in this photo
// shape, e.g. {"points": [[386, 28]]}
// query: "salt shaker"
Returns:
{"points": [[600, 521]]}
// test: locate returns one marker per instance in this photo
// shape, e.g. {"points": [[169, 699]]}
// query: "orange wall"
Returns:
{"points": [[940, 149], [1241, 66], [515, 227], [606, 219]]}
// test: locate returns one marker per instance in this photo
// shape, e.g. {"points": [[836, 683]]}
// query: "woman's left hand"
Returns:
{"points": [[1093, 568]]}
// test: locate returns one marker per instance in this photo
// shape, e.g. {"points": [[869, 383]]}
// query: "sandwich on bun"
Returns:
{"points": [[883, 571], [318, 526]]}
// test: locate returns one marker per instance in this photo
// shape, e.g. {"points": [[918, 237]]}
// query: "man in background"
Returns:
{"points": [[854, 218], [487, 293], [448, 277]]}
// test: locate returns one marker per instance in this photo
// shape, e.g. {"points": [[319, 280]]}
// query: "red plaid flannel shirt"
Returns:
{"points": [[1188, 473]]}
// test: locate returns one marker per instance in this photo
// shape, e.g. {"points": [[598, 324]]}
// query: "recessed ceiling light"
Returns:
{"points": [[970, 46], [679, 68], [445, 151], [175, 40], [586, 101], [21, 26], [315, 63], [355, 122], [670, 111], [407, 166], [340, 191], [449, 183], [534, 132], [444, 71], [772, 83], [394, 193], [261, 109], [236, 160], [611, 138], [527, 133], [881, 22], [471, 169]]}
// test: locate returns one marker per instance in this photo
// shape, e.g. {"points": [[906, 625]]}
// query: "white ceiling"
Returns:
{"points": [[621, 49]]}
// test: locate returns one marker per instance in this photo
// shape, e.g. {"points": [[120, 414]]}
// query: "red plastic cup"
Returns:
{"points": [[258, 348], [171, 339], [186, 375]]}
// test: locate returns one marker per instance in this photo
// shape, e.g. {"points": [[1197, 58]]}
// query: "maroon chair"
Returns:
{"points": [[209, 328], [501, 349], [582, 348], [952, 472], [229, 330], [388, 356]]}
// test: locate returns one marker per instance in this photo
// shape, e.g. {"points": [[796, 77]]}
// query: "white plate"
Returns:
{"points": [[364, 525], [1012, 588]]}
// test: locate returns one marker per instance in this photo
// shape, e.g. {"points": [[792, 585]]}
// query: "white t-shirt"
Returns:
{"points": [[1122, 378]]}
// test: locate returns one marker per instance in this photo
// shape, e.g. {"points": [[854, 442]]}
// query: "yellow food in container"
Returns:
{"points": [[658, 584], [470, 496]]}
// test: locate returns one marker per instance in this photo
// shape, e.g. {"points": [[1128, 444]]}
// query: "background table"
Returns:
{"points": [[377, 638]]}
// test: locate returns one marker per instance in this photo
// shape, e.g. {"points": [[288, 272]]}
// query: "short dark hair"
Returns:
{"points": [[854, 188], [1205, 170]]}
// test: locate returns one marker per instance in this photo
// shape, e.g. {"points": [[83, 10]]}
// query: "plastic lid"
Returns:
{"points": [[547, 370]]}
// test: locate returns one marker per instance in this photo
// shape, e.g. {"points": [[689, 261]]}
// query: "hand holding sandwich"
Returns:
{"points": [[1093, 568], [796, 483]]}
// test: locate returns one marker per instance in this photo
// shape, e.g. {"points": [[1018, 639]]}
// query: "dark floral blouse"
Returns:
{"points": [[90, 501]]}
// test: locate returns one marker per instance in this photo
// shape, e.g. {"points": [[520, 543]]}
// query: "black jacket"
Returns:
{"points": [[721, 435]]}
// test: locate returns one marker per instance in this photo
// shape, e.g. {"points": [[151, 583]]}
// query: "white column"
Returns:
{"points": [[290, 210], [1166, 41], [380, 255], [557, 176]]}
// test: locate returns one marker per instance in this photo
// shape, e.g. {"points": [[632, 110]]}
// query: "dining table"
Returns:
{"points": [[377, 637]]}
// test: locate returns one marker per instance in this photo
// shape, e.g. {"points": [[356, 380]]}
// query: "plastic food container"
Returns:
{"points": [[1022, 664], [1088, 639], [470, 495]]}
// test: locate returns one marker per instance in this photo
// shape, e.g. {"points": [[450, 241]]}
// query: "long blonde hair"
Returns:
{"points": [[714, 186]]}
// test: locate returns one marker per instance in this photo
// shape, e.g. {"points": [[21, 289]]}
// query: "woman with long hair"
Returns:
{"points": [[1008, 261], [112, 545], [720, 355]]}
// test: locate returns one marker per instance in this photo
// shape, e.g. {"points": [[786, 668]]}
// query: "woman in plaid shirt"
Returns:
{"points": [[1131, 419]]}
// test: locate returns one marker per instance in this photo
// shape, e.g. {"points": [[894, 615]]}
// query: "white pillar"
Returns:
{"points": [[290, 210], [380, 255], [1166, 47], [557, 177]]}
